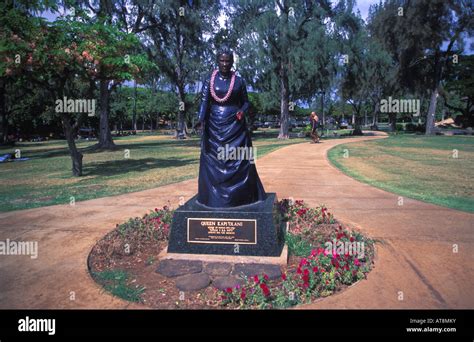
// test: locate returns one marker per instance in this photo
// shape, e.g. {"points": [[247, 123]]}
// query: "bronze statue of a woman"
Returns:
{"points": [[226, 182]]}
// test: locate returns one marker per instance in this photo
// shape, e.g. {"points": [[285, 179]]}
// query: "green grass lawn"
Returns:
{"points": [[154, 160], [415, 166]]}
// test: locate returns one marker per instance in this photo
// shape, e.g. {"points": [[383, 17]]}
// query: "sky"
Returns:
{"points": [[363, 6]]}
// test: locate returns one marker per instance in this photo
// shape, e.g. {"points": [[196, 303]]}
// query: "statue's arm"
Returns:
{"points": [[205, 101]]}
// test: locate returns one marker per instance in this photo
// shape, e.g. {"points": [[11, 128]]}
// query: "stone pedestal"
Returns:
{"points": [[254, 230]]}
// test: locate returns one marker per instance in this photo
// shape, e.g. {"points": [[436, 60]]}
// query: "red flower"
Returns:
{"points": [[265, 290], [156, 209], [243, 295], [314, 253], [352, 239], [301, 212], [265, 277], [299, 270], [255, 278], [283, 276], [306, 272], [165, 208], [303, 262], [228, 290], [356, 262], [315, 269]]}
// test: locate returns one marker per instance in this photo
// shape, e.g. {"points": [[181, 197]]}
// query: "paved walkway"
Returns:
{"points": [[415, 250]]}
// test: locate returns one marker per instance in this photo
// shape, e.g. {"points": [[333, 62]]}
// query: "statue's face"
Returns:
{"points": [[225, 64]]}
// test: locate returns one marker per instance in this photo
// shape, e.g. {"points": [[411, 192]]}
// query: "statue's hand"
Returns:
{"points": [[239, 115]]}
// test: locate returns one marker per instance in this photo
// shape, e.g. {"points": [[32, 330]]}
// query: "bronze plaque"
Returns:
{"points": [[230, 231]]}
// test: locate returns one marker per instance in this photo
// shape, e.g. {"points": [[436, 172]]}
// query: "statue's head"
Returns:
{"points": [[225, 59]]}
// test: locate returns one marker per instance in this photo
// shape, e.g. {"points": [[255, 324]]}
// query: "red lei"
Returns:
{"points": [[229, 92]]}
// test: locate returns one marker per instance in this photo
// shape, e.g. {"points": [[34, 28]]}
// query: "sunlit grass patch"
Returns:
{"points": [[434, 169]]}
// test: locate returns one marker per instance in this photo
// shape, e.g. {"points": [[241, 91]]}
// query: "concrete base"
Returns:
{"points": [[281, 260]]}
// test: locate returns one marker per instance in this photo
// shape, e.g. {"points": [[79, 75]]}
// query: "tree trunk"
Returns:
{"points": [[180, 131], [3, 114], [4, 128], [392, 117], [430, 118], [76, 156], [375, 115], [134, 115], [357, 128], [285, 99], [105, 137]]}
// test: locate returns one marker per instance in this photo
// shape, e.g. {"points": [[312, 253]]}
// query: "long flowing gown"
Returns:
{"points": [[230, 182]]}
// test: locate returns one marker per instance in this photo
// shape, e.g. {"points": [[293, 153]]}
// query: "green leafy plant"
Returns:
{"points": [[297, 245], [117, 282]]}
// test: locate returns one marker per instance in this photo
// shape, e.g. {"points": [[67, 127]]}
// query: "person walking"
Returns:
{"points": [[314, 125]]}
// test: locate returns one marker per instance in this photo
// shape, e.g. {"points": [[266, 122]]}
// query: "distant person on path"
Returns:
{"points": [[314, 125]]}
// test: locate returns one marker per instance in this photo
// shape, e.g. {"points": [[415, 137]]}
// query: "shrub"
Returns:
{"points": [[155, 225], [302, 217], [400, 127]]}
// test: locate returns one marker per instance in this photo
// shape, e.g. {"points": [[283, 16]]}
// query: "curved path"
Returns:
{"points": [[416, 266]]}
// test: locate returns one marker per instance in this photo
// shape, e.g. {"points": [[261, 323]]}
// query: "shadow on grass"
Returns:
{"points": [[160, 143], [62, 151], [118, 167]]}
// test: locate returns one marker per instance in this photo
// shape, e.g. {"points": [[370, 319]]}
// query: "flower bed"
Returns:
{"points": [[325, 257], [336, 258]]}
